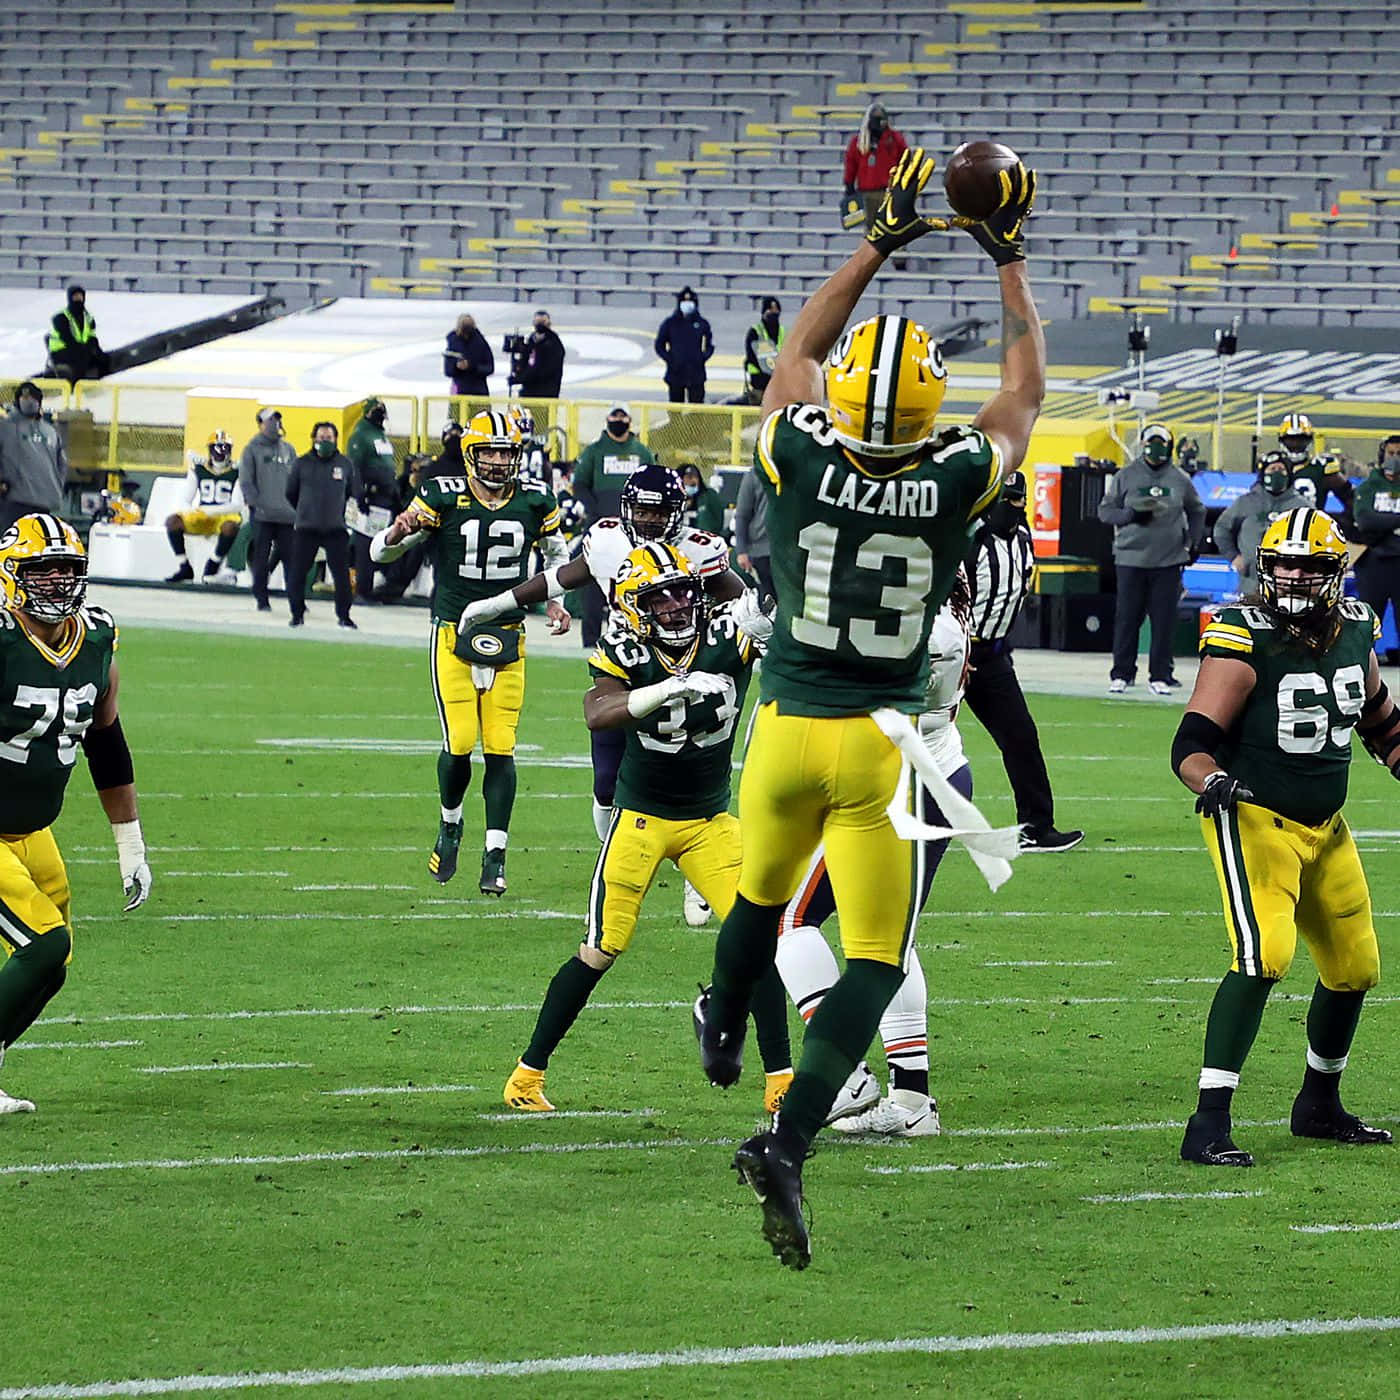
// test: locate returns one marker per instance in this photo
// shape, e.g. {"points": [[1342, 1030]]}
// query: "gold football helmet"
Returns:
{"points": [[1302, 562], [660, 597], [885, 382], [220, 452], [1295, 437], [491, 447], [43, 568]]}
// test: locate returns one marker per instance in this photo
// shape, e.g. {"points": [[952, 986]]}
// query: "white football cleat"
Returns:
{"points": [[860, 1091], [903, 1114], [697, 912], [12, 1105]]}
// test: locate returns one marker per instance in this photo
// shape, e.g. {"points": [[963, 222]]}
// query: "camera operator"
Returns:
{"points": [[536, 360]]}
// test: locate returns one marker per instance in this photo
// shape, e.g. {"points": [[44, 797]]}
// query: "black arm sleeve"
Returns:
{"points": [[1195, 734], [109, 758]]}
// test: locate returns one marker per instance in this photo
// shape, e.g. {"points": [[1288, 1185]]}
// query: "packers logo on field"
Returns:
{"points": [[484, 644]]}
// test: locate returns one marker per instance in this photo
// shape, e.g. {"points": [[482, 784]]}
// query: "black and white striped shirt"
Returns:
{"points": [[999, 576]]}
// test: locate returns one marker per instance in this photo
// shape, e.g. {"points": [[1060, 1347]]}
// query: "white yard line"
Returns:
{"points": [[317, 889], [367, 1092], [1274, 1330], [225, 874], [1100, 962], [72, 1045], [925, 1168], [1343, 1229], [1168, 1196], [570, 1113], [229, 1065]]}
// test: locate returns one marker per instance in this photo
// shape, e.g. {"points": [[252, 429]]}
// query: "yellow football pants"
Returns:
{"points": [[708, 851], [207, 522], [33, 889], [1280, 879], [463, 710], [807, 781]]}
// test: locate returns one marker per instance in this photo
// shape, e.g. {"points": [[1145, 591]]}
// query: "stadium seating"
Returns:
{"points": [[581, 160]]}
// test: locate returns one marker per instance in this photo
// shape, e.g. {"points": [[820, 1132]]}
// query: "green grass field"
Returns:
{"points": [[229, 1176]]}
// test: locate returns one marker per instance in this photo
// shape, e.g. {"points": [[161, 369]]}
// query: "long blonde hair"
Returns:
{"points": [[863, 142]]}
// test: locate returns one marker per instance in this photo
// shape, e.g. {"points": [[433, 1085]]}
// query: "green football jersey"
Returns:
{"points": [[1291, 746], [480, 550], [861, 562], [678, 759], [46, 702], [214, 490]]}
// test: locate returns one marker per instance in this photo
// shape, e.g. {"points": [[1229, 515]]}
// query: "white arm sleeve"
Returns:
{"points": [[384, 553], [645, 699], [555, 549]]}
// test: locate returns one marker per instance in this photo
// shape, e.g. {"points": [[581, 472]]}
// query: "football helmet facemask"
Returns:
{"points": [[1295, 437], [885, 382], [1302, 562], [652, 504], [220, 451], [43, 568], [491, 448], [660, 597]]}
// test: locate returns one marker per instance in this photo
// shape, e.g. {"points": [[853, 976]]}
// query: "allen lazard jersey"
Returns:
{"points": [[862, 562], [606, 544], [47, 699], [1291, 746], [213, 491], [677, 761], [481, 550]]}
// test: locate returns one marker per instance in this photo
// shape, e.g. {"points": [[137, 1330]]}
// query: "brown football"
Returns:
{"points": [[971, 179]]}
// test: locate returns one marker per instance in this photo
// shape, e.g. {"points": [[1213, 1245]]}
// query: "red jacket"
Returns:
{"points": [[872, 172]]}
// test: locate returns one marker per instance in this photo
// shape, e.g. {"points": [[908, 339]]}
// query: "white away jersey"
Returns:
{"points": [[606, 544], [947, 651]]}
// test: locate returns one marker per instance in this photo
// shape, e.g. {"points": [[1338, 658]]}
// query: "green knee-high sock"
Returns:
{"points": [[770, 1021], [1234, 1020], [28, 979], [837, 1037], [1332, 1019], [498, 790], [568, 994], [454, 774], [744, 951]]}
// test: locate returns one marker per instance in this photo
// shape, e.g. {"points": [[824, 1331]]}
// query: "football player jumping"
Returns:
{"points": [[672, 678], [483, 527], [1266, 743], [868, 512], [58, 689]]}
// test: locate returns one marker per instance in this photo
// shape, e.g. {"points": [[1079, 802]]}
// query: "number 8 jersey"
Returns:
{"points": [[478, 549], [1291, 745], [862, 558]]}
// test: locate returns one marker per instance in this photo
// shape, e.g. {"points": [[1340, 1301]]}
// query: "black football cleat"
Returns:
{"points": [[721, 1052], [1333, 1123], [184, 574], [1046, 838], [442, 863], [776, 1179], [493, 873], [1209, 1143]]}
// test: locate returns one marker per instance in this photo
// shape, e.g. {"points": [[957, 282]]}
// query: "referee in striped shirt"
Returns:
{"points": [[999, 567]]}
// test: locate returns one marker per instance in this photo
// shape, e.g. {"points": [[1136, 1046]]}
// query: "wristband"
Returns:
{"points": [[131, 847], [554, 588], [642, 701]]}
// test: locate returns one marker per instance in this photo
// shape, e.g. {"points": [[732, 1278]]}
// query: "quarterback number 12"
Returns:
{"points": [[814, 627]]}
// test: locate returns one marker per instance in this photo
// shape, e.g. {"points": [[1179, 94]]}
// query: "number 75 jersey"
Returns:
{"points": [[480, 550], [678, 758], [862, 561]]}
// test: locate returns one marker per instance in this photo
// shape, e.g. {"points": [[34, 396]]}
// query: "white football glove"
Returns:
{"points": [[698, 684], [131, 860], [485, 609], [750, 618]]}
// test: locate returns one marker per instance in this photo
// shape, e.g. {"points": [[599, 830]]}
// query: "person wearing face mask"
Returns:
{"points": [[33, 464], [377, 498], [319, 485], [263, 469], [467, 361], [74, 352], [537, 371], [761, 345], [704, 510], [685, 342], [1159, 523], [870, 156], [1000, 566], [1376, 510], [1240, 528]]}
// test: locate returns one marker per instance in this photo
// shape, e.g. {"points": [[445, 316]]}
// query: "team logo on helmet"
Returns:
{"points": [[885, 382], [491, 448], [1302, 563], [43, 567], [653, 503], [1296, 436], [660, 597]]}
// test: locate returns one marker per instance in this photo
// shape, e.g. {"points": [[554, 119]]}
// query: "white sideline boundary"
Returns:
{"points": [[617, 1362], [1168, 1196]]}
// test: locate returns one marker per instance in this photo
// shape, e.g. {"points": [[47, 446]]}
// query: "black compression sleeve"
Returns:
{"points": [[1195, 734], [109, 758]]}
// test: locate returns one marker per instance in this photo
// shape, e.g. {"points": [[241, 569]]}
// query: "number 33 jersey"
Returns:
{"points": [[1291, 745], [47, 696], [480, 550], [862, 560], [677, 761]]}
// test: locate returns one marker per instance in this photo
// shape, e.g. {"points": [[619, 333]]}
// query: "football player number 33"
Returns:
{"points": [[814, 627]]}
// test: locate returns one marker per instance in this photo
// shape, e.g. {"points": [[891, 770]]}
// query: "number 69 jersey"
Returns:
{"points": [[677, 761], [1291, 746], [862, 561], [481, 550], [47, 698]]}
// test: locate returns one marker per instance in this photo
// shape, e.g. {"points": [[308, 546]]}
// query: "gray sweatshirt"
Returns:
{"points": [[262, 473], [751, 519], [319, 489], [1242, 526], [1175, 520], [32, 461]]}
